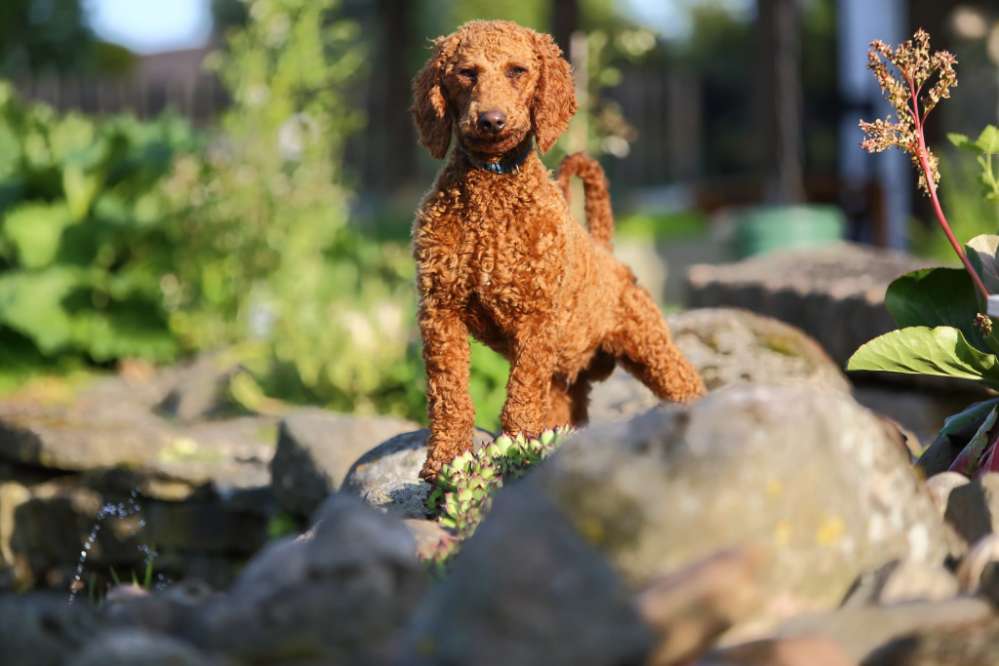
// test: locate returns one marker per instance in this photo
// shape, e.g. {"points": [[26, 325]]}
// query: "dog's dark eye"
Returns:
{"points": [[468, 73], [516, 71]]}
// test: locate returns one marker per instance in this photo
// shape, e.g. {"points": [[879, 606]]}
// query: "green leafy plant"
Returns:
{"points": [[940, 311], [599, 126], [969, 213], [464, 490], [319, 312], [83, 235], [985, 147]]}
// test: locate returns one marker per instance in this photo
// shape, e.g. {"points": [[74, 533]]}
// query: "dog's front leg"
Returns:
{"points": [[531, 368], [449, 405]]}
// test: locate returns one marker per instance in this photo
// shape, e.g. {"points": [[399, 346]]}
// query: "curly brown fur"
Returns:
{"points": [[599, 216], [500, 258]]}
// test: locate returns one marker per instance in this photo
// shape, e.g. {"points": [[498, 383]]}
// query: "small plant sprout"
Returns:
{"points": [[914, 84], [464, 489]]}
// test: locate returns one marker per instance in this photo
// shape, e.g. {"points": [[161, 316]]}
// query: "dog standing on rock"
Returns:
{"points": [[499, 257]]}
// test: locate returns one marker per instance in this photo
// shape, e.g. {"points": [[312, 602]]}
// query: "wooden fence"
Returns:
{"points": [[663, 108]]}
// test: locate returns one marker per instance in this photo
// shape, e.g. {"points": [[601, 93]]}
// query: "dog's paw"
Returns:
{"points": [[431, 469]]}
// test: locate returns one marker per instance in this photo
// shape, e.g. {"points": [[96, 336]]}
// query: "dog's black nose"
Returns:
{"points": [[492, 121]]}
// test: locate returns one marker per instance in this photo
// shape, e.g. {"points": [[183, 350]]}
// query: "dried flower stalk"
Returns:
{"points": [[907, 87]]}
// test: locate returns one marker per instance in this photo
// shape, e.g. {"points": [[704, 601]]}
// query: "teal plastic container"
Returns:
{"points": [[766, 228]]}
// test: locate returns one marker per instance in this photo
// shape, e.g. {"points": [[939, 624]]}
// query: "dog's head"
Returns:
{"points": [[496, 82]]}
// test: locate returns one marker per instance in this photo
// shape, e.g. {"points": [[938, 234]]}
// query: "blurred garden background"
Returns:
{"points": [[237, 177]]}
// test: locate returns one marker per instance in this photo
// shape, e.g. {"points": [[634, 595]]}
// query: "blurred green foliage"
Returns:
{"points": [[322, 314], [127, 239], [969, 196], [320, 311], [663, 226], [986, 151], [83, 238], [599, 126]]}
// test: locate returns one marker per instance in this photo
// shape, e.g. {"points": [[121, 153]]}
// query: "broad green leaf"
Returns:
{"points": [[962, 141], [936, 297], [122, 330], [81, 187], [988, 140], [10, 152], [919, 350], [31, 302], [72, 135], [35, 231]]}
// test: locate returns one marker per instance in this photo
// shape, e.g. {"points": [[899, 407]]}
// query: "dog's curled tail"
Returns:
{"points": [[599, 216]]}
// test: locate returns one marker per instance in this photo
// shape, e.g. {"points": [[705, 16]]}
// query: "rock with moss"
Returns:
{"points": [[337, 594], [136, 647], [315, 450], [388, 476], [526, 590], [834, 292], [806, 474], [41, 629], [727, 346]]}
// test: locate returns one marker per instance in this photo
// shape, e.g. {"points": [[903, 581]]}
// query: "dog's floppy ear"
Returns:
{"points": [[430, 112], [555, 97]]}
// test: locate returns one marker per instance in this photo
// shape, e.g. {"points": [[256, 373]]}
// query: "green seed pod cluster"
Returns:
{"points": [[464, 489]]}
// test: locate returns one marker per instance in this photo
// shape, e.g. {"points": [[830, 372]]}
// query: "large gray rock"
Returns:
{"points": [[861, 631], [163, 459], [336, 595], [315, 450], [168, 611], [73, 438], [43, 629], [195, 493], [526, 590], [199, 389], [978, 571], [388, 476], [947, 644], [805, 474], [727, 346], [690, 608], [973, 508], [135, 647], [898, 582], [809, 651], [44, 526], [833, 293], [735, 346]]}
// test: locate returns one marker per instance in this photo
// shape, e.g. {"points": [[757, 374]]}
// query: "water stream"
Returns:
{"points": [[113, 510]]}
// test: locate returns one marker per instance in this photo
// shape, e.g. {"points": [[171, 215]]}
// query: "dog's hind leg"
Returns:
{"points": [[560, 404], [641, 342], [570, 402]]}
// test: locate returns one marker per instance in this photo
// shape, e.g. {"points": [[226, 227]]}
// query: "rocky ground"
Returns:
{"points": [[776, 521]]}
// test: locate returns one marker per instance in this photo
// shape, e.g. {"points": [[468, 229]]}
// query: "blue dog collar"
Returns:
{"points": [[508, 163]]}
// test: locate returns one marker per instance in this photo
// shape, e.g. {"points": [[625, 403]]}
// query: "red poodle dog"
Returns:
{"points": [[499, 257]]}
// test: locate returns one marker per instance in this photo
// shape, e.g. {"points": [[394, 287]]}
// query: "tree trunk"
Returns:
{"points": [[565, 21], [388, 106], [780, 51]]}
